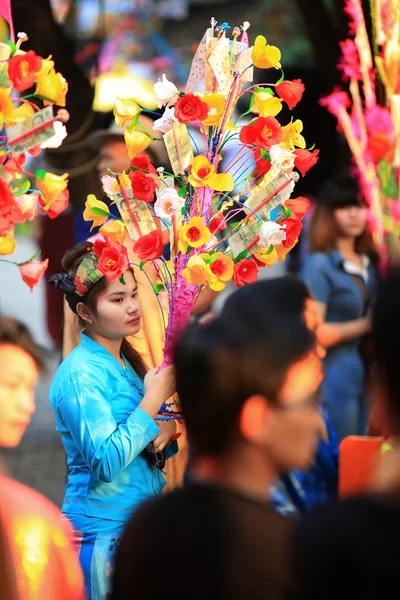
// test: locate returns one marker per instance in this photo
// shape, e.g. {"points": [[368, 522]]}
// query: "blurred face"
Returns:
{"points": [[118, 309], [351, 220], [114, 156], [293, 425], [18, 379]]}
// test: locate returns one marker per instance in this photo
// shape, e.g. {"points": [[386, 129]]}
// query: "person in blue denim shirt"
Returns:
{"points": [[341, 276], [106, 408]]}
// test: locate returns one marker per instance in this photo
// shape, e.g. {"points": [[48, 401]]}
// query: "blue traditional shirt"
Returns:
{"points": [[104, 432]]}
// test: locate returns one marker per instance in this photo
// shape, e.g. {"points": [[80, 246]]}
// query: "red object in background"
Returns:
{"points": [[57, 236], [358, 457]]}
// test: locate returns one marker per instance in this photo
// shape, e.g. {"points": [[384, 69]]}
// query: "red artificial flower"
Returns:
{"points": [[263, 165], [263, 132], [381, 146], [22, 69], [293, 228], [245, 272], [143, 185], [32, 271], [143, 162], [25, 207], [305, 160], [190, 108], [6, 207], [150, 246], [57, 206], [15, 164], [298, 207], [217, 224], [291, 92], [113, 258]]}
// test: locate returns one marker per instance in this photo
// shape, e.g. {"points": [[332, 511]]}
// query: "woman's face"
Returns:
{"points": [[351, 220], [118, 309], [18, 379]]}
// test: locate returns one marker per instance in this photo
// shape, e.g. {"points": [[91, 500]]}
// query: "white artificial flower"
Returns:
{"points": [[164, 124], [166, 92], [108, 184], [282, 159], [271, 233], [167, 203], [57, 139]]}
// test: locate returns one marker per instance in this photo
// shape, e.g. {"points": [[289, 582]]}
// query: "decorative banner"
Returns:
{"points": [[243, 238], [30, 132], [179, 148], [198, 64], [5, 12], [135, 214], [264, 198]]}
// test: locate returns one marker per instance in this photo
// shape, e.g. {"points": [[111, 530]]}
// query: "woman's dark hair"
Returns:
{"points": [[245, 351], [324, 231], [70, 262], [16, 333]]}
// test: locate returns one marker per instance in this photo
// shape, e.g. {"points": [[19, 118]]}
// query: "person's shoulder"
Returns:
{"points": [[336, 522], [317, 260], [22, 501]]}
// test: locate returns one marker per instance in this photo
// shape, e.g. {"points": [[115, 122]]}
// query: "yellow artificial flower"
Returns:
{"points": [[220, 269], [266, 105], [266, 257], [291, 135], [51, 186], [125, 110], [114, 231], [46, 68], [202, 173], [137, 142], [53, 88], [216, 102], [96, 211], [7, 244], [19, 114], [6, 106], [194, 234], [265, 56], [196, 272]]}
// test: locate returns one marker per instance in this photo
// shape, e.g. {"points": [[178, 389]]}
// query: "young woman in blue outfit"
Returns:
{"points": [[105, 407], [341, 274]]}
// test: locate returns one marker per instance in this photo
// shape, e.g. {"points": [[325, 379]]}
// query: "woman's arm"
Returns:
{"points": [[330, 334], [106, 446]]}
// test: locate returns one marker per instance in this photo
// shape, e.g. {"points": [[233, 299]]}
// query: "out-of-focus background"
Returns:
{"points": [[104, 48]]}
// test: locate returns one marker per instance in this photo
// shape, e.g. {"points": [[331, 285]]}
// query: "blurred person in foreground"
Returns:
{"points": [[341, 274], [37, 543], [349, 549], [247, 383]]}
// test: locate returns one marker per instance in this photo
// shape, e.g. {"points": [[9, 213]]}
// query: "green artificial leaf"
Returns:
{"points": [[241, 256], [23, 188], [100, 212], [270, 249], [159, 287], [388, 181], [40, 174], [142, 265], [265, 154], [12, 46], [269, 91], [182, 191], [122, 280], [281, 78], [288, 212], [311, 148]]}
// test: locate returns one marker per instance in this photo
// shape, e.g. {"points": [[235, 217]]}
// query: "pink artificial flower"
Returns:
{"points": [[337, 100], [349, 62], [354, 11], [378, 120], [32, 271], [394, 208], [25, 207]]}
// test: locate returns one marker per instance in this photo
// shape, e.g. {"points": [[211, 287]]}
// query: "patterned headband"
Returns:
{"points": [[106, 259]]}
